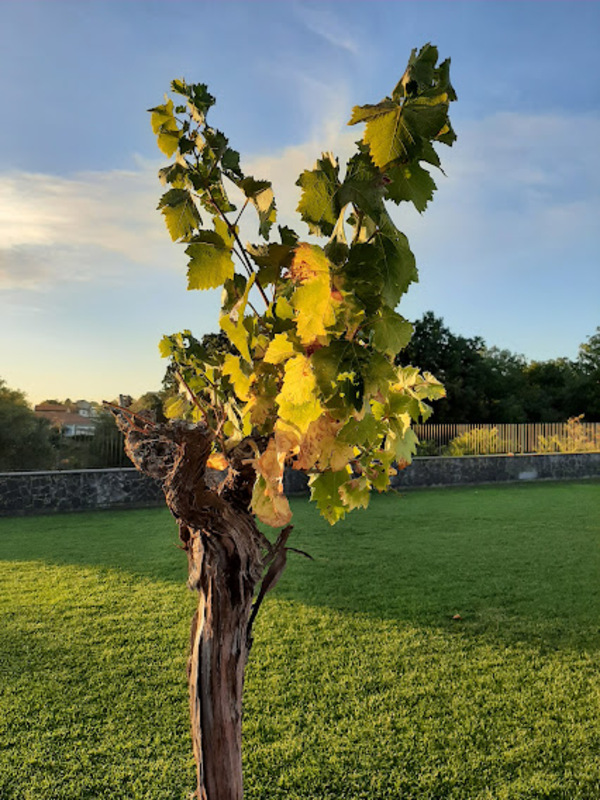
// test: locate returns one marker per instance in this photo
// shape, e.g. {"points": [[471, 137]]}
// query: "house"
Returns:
{"points": [[69, 423]]}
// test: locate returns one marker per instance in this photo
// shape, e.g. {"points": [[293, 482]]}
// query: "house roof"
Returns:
{"points": [[62, 417], [55, 407]]}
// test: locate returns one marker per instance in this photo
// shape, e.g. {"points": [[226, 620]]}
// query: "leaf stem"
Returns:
{"points": [[245, 258], [193, 397]]}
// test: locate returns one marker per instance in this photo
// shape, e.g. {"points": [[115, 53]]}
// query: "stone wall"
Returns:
{"points": [[76, 490], [87, 490], [473, 470]]}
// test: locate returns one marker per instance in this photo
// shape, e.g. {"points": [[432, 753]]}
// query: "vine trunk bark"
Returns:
{"points": [[227, 555]]}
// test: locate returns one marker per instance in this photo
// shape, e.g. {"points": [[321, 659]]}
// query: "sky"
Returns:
{"points": [[89, 278]]}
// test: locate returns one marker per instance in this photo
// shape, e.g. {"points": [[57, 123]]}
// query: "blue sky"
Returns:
{"points": [[89, 279]]}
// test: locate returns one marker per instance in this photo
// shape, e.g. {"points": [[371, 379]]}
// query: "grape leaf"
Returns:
{"points": [[319, 206], [232, 322], [410, 182], [391, 332], [241, 382], [180, 213], [324, 490], [165, 128], [210, 262], [298, 402], [355, 493], [315, 308], [280, 349], [272, 509]]}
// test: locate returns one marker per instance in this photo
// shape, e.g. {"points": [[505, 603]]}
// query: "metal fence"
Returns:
{"points": [[573, 436]]}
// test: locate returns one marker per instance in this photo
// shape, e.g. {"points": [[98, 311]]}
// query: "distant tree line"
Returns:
{"points": [[483, 384], [486, 384]]}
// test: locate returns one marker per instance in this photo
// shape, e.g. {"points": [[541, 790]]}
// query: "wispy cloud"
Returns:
{"points": [[54, 229], [329, 26], [521, 200]]}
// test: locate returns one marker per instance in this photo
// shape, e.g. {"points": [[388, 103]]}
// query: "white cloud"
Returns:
{"points": [[321, 21], [521, 192], [84, 227]]}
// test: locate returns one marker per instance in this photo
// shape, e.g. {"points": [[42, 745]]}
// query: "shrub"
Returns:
{"points": [[478, 441], [575, 438]]}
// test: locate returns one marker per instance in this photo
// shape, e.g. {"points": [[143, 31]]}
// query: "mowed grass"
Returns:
{"points": [[360, 683]]}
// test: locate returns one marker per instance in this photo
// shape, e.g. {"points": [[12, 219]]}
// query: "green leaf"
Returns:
{"points": [[396, 263], [378, 375], [382, 269], [210, 262], [391, 332], [400, 128], [271, 259], [410, 182], [355, 493], [165, 127], [368, 112], [200, 99], [165, 347], [180, 213], [324, 490], [288, 236], [319, 206], [252, 187], [230, 163], [173, 174], [338, 370], [363, 185], [176, 407], [216, 141], [316, 308], [389, 138], [420, 72]]}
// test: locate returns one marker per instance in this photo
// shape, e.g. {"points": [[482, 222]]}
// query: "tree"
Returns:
{"points": [[588, 363], [26, 441], [482, 384], [308, 380]]}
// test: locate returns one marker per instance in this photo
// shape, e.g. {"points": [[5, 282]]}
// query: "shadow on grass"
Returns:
{"points": [[517, 562]]}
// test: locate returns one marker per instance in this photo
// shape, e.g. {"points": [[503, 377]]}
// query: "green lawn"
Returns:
{"points": [[360, 684]]}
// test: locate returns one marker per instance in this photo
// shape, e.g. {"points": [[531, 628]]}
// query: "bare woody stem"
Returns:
{"points": [[243, 253]]}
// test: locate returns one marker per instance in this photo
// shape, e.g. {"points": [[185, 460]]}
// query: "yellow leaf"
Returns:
{"points": [[320, 445], [309, 262], [283, 309], [240, 381], [280, 349], [315, 306], [298, 400], [299, 383], [302, 415], [233, 323], [217, 461]]}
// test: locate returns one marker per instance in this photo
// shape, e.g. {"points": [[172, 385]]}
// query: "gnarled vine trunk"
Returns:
{"points": [[226, 556]]}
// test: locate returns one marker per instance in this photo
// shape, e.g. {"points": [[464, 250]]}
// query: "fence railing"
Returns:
{"points": [[573, 436]]}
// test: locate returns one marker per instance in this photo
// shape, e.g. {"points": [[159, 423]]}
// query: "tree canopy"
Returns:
{"points": [[309, 377], [487, 384], [25, 439]]}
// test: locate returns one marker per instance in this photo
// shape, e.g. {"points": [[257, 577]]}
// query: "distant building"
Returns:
{"points": [[86, 409], [69, 423]]}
